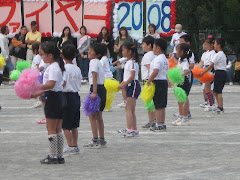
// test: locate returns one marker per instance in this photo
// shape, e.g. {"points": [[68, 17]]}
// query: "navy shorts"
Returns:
{"points": [[133, 89], [190, 80], [186, 85], [101, 92], [161, 93], [55, 102], [219, 81], [71, 111]]}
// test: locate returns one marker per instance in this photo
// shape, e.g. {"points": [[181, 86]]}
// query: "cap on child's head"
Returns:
{"points": [[178, 28]]}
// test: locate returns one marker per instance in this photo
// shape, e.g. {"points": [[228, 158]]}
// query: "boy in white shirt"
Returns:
{"points": [[71, 113], [37, 58], [105, 63], [147, 47]]}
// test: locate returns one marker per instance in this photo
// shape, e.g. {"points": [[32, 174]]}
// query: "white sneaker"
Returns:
{"points": [[183, 122], [37, 104], [68, 149], [92, 145], [208, 109], [11, 82], [122, 105], [204, 105], [176, 115], [230, 84], [174, 123]]}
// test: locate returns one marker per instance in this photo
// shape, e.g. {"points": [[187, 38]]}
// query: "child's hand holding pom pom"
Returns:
{"points": [[91, 105]]}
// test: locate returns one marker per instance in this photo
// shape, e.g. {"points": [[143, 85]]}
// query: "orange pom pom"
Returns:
{"points": [[197, 71], [207, 77], [172, 64]]}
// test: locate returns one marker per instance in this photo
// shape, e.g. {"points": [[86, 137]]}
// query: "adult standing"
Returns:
{"points": [[18, 52], [175, 38], [83, 45], [5, 51], [66, 36], [32, 37], [152, 31]]}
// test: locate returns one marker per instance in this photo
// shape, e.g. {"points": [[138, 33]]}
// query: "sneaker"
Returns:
{"points": [[189, 115], [183, 122], [174, 123], [208, 109], [69, 150], [49, 160], [219, 111], [148, 125], [103, 143], [122, 105], [43, 121], [122, 131], [230, 84], [76, 150], [161, 128], [131, 133], [61, 160], [11, 82], [176, 115], [92, 145], [37, 104], [203, 105], [84, 81]]}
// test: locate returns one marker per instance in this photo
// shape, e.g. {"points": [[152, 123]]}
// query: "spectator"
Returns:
{"points": [[66, 36], [83, 45], [176, 37], [229, 76], [32, 37], [237, 71], [152, 31], [19, 47]]}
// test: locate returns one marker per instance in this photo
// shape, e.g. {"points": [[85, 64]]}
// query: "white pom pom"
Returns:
{"points": [[115, 30]]}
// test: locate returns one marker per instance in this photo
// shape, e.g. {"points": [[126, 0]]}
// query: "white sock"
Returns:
{"points": [[60, 142], [52, 138]]}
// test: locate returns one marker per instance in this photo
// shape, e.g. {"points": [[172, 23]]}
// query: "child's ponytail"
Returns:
{"points": [[187, 53]]}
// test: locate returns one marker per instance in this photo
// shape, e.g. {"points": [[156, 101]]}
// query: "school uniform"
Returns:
{"points": [[71, 111], [184, 65], [147, 59], [220, 66], [36, 60], [54, 97], [96, 66], [106, 67], [161, 85], [133, 88]]}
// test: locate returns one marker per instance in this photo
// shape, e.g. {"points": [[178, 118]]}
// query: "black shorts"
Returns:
{"points": [[55, 102], [219, 81], [190, 80], [133, 89], [71, 111], [161, 93], [101, 92], [186, 85]]}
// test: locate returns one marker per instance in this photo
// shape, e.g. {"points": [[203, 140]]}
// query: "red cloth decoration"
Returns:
{"points": [[9, 1]]}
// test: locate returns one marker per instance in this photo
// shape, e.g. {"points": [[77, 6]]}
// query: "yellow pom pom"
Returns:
{"points": [[2, 61], [111, 85], [109, 101], [147, 92]]}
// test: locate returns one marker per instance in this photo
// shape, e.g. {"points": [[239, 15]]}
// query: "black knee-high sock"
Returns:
{"points": [[1, 78]]}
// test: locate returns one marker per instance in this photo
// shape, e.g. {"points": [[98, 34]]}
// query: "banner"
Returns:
{"points": [[11, 16], [39, 11]]}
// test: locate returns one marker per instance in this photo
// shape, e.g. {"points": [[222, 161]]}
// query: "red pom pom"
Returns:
{"points": [[43, 34], [49, 34]]}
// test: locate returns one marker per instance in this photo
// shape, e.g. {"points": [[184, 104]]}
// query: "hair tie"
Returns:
{"points": [[187, 51]]}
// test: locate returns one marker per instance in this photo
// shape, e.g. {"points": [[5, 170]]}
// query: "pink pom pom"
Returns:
{"points": [[27, 83]]}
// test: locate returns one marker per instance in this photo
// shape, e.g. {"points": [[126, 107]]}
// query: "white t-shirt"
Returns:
{"points": [[96, 66], [147, 59], [176, 36], [220, 61], [54, 73], [204, 55], [209, 56], [36, 60], [131, 65], [74, 61], [161, 63], [72, 76], [44, 65], [155, 35], [106, 67], [183, 65]]}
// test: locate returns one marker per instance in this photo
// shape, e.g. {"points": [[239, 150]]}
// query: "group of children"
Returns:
{"points": [[62, 82]]}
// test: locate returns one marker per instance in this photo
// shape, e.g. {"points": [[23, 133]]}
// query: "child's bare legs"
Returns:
{"points": [[151, 116], [71, 137], [130, 113], [100, 124], [160, 115], [94, 127], [75, 137], [124, 94], [219, 99]]}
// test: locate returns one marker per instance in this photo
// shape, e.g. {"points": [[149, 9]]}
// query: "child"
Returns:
{"points": [[133, 88], [184, 54], [158, 71], [96, 80], [71, 113], [52, 89], [105, 63], [147, 47], [209, 42], [219, 63]]}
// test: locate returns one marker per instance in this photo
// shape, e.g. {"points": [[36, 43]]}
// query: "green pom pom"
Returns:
{"points": [[175, 75], [15, 75], [180, 94], [21, 65], [149, 106]]}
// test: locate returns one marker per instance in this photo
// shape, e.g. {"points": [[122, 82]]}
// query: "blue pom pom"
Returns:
{"points": [[111, 69]]}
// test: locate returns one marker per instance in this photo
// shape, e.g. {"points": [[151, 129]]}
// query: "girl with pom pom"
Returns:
{"points": [[219, 63], [184, 54], [205, 62], [52, 89], [147, 47], [133, 88], [96, 81], [158, 71]]}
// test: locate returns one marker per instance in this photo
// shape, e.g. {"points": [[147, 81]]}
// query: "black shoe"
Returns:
{"points": [[161, 128], [61, 160], [49, 160]]}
